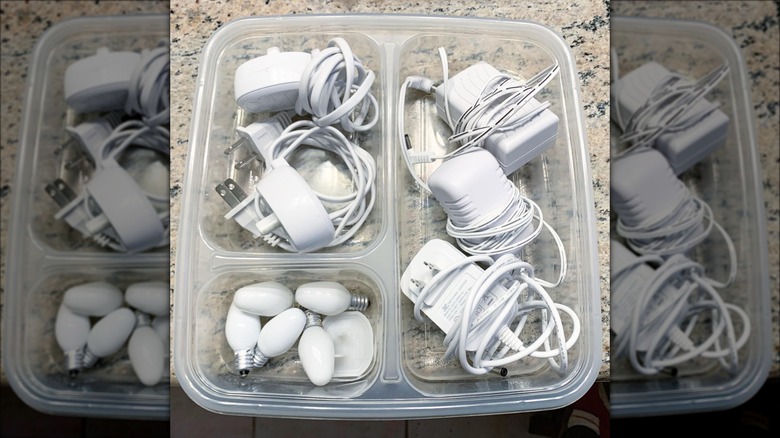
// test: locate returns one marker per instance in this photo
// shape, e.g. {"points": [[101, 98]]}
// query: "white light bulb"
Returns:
{"points": [[147, 355], [329, 298], [71, 331], [241, 331], [264, 299], [151, 297], [162, 326], [97, 298], [316, 351], [279, 335], [108, 335]]}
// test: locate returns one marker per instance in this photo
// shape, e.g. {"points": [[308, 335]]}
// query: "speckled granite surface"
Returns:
{"points": [[22, 24], [583, 25], [754, 27]]}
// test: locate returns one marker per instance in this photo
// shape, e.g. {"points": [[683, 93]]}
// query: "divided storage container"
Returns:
{"points": [[730, 182], [408, 377], [45, 256]]}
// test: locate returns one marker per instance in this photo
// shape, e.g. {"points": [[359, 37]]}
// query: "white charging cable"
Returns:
{"points": [[661, 323], [494, 110], [490, 328], [335, 87], [149, 89], [349, 210]]}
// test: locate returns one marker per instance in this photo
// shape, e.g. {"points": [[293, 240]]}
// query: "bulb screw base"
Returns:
{"points": [[89, 360], [142, 319], [244, 361], [312, 319], [358, 302], [259, 359], [74, 361]]}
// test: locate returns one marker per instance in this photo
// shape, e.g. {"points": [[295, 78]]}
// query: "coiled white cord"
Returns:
{"points": [[663, 326], [350, 210], [491, 327], [678, 232], [507, 231], [336, 88], [149, 91]]}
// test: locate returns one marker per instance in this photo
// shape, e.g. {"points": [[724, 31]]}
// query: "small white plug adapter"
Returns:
{"points": [[644, 189], [471, 187], [682, 149], [478, 196], [513, 147], [293, 211], [100, 82], [260, 135], [444, 304], [270, 82]]}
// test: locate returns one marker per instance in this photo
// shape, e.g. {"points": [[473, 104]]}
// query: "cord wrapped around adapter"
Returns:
{"points": [[657, 214], [348, 211], [659, 309], [476, 308]]}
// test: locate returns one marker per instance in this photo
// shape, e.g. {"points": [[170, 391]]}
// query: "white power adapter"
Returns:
{"points": [[113, 209], [331, 85], [100, 82], [486, 214], [476, 308], [700, 130], [657, 214], [526, 135], [282, 207], [655, 312], [270, 82]]}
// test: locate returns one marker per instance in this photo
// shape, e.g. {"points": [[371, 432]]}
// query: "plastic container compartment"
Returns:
{"points": [[730, 182], [408, 377], [46, 257]]}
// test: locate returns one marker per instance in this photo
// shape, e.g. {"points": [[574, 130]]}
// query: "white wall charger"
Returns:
{"points": [[270, 82], [100, 82], [682, 146], [476, 308], [283, 205], [513, 147]]}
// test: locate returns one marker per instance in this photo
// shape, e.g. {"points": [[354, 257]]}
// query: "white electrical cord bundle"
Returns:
{"points": [[137, 134], [663, 326], [501, 233], [360, 163], [149, 91], [491, 327], [497, 97], [668, 109], [335, 88], [677, 232]]}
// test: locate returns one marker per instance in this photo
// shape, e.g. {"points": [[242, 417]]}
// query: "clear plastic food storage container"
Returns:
{"points": [[45, 256], [408, 377], [729, 181]]}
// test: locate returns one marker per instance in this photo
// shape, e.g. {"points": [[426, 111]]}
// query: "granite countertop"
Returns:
{"points": [[584, 25]]}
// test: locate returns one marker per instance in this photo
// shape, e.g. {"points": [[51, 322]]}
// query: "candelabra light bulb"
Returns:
{"points": [[242, 330], [71, 331], [329, 298], [279, 335]]}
